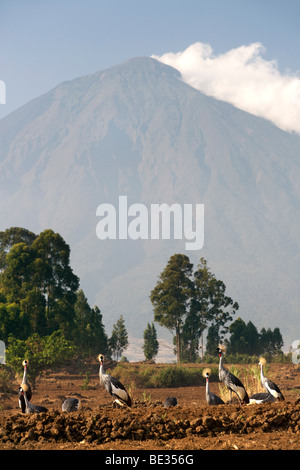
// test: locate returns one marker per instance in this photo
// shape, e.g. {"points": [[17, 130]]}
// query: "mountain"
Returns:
{"points": [[138, 130]]}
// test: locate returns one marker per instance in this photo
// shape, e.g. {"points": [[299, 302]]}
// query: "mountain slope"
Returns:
{"points": [[137, 130]]}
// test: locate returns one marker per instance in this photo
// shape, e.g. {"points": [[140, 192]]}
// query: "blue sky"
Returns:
{"points": [[45, 42]]}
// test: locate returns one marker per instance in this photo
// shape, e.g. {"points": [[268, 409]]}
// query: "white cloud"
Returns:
{"points": [[243, 78]]}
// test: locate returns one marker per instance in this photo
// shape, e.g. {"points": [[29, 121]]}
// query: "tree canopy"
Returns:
{"points": [[172, 295], [39, 292], [151, 344], [185, 302], [37, 284], [119, 338]]}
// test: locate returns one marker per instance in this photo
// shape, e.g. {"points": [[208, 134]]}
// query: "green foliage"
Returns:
{"points": [[37, 285], [172, 295], [148, 376], [176, 377], [42, 353], [118, 341], [6, 378], [151, 345], [124, 359], [11, 237], [39, 292], [186, 302], [271, 341], [88, 332], [245, 339]]}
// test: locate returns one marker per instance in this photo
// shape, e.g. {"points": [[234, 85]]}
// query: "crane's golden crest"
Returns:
{"points": [[222, 347], [24, 387], [206, 371], [25, 362], [100, 357], [262, 361]]}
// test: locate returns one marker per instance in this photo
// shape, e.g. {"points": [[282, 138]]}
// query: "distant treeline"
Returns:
{"points": [[188, 301], [40, 298]]}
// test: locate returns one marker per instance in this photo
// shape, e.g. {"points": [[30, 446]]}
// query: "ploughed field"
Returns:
{"points": [[191, 425]]}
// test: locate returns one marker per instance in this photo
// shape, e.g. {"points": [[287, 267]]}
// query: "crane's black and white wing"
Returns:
{"points": [[40, 409], [215, 400], [119, 392], [273, 389], [262, 397], [236, 386]]}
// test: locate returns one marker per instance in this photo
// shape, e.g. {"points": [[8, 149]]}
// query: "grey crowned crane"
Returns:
{"points": [[261, 397], [24, 387], [113, 386], [211, 398], [170, 401], [232, 382], [270, 386], [29, 407], [70, 404]]}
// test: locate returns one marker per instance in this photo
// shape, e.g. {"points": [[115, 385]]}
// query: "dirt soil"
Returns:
{"points": [[191, 425]]}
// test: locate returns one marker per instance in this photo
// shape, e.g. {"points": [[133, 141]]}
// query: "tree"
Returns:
{"points": [[81, 310], [271, 341], [12, 236], [244, 338], [212, 340], [151, 345], [16, 278], [19, 294], [172, 294], [56, 278], [98, 340], [88, 334], [209, 305], [43, 352], [118, 341], [253, 339], [37, 280]]}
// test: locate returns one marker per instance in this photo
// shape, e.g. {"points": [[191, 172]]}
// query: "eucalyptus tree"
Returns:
{"points": [[53, 273], [211, 306], [118, 341], [151, 345], [88, 333], [37, 284], [172, 295], [186, 302]]}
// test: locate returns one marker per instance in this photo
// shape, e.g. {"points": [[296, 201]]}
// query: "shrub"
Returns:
{"points": [[148, 376], [42, 352], [6, 379]]}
